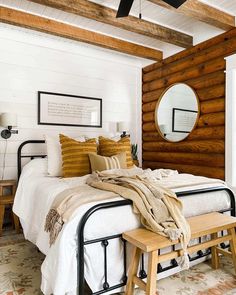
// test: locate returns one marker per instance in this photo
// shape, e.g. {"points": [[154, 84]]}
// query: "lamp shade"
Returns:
{"points": [[122, 126], [8, 119]]}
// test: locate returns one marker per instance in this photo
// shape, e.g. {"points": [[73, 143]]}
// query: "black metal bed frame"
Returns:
{"points": [[105, 240]]}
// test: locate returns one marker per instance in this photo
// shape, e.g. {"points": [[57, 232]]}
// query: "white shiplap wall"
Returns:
{"points": [[31, 61]]}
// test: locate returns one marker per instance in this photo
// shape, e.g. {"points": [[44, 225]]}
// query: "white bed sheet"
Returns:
{"points": [[35, 194]]}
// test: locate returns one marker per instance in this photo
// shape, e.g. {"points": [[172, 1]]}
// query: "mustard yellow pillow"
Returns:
{"points": [[75, 160], [109, 147], [101, 163]]}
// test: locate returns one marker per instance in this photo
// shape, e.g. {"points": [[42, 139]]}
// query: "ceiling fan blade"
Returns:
{"points": [[175, 3], [124, 8]]}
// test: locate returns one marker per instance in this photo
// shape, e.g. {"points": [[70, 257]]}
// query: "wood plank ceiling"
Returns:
{"points": [[161, 28], [107, 15], [202, 12], [38, 23]]}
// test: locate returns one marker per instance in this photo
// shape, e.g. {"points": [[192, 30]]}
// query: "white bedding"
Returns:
{"points": [[35, 194]]}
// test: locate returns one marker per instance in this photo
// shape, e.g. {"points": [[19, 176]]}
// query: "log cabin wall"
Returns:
{"points": [[201, 67]]}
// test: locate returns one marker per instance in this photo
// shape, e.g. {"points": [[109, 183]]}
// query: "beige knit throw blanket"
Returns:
{"points": [[67, 202], [159, 208]]}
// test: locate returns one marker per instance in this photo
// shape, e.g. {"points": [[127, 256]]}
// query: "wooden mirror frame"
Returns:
{"points": [[157, 106]]}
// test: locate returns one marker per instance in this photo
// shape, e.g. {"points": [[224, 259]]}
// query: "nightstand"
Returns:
{"points": [[7, 194]]}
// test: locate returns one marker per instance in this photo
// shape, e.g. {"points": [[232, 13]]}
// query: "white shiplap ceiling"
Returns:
{"points": [[151, 12]]}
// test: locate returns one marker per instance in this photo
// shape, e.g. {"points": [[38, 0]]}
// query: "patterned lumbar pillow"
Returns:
{"points": [[100, 163], [75, 159], [109, 147]]}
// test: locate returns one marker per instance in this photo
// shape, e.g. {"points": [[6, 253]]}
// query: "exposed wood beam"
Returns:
{"points": [[30, 21], [203, 12], [107, 15]]}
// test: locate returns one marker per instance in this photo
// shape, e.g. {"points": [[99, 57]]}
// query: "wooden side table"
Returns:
{"points": [[7, 194]]}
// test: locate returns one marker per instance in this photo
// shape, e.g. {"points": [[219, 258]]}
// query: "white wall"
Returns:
{"points": [[31, 61], [230, 137]]}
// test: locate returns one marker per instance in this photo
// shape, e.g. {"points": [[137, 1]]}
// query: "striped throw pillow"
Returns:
{"points": [[109, 147], [100, 163], [75, 160]]}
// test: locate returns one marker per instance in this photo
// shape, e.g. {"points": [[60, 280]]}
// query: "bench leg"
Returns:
{"points": [[232, 243], [152, 273], [132, 270], [2, 210], [214, 254]]}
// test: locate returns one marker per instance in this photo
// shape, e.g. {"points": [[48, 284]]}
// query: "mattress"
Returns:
{"points": [[35, 194]]}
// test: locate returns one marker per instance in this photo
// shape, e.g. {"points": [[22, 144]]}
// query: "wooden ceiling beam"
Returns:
{"points": [[202, 12], [107, 15], [41, 24]]}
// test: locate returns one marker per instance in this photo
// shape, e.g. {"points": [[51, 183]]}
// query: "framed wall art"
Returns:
{"points": [[183, 120], [69, 110]]}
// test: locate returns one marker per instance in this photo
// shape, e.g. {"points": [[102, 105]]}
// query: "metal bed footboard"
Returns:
{"points": [[105, 240]]}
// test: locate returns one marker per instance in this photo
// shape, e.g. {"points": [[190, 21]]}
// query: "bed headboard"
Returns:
{"points": [[20, 156]]}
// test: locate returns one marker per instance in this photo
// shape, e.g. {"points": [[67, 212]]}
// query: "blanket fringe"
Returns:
{"points": [[53, 225], [175, 234], [184, 262]]}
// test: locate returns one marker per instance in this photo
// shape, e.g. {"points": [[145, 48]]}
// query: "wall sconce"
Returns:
{"points": [[122, 127], [8, 120]]}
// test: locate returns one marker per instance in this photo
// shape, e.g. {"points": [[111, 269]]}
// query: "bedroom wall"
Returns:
{"points": [[202, 67], [31, 61]]}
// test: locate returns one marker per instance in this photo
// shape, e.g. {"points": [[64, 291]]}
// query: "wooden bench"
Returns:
{"points": [[150, 242]]}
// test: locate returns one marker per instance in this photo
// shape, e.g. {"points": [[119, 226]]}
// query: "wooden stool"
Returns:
{"points": [[8, 200], [150, 242]]}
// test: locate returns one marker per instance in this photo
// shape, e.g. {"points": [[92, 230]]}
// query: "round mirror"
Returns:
{"points": [[177, 112]]}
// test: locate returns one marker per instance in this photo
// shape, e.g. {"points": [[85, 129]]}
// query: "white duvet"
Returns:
{"points": [[35, 194]]}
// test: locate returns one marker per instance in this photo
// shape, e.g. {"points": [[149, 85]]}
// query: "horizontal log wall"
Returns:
{"points": [[202, 67]]}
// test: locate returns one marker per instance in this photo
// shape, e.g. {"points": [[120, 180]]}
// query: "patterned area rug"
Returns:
{"points": [[20, 269], [20, 274], [201, 279], [10, 237]]}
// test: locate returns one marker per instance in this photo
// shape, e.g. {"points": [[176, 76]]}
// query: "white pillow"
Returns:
{"points": [[54, 154], [35, 167]]}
